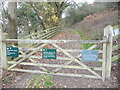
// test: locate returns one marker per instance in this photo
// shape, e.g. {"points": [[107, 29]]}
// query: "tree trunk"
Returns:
{"points": [[12, 20]]}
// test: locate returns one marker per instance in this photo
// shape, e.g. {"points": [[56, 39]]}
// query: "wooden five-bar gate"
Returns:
{"points": [[32, 56]]}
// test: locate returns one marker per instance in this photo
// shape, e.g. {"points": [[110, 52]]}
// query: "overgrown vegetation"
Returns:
{"points": [[41, 81], [31, 16], [76, 13]]}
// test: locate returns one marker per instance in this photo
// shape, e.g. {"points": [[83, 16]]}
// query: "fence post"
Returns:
{"points": [[4, 55], [108, 32], [0, 47], [104, 60]]}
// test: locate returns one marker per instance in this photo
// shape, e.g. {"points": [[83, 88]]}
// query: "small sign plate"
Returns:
{"points": [[48, 53], [12, 51], [89, 55]]}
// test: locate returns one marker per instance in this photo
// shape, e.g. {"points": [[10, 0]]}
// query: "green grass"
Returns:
{"points": [[41, 81], [87, 45], [83, 37]]}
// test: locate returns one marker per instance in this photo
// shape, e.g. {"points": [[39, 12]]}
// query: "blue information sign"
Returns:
{"points": [[12, 51], [89, 55]]}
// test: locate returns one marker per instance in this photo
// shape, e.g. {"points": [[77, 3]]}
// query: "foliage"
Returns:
{"points": [[40, 14], [35, 16], [41, 81], [27, 17], [108, 5], [77, 13], [50, 12]]}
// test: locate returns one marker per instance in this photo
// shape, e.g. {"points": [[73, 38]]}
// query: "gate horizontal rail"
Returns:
{"points": [[58, 58], [51, 41], [60, 74], [56, 65]]}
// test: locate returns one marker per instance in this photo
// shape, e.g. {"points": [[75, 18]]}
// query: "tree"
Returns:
{"points": [[27, 18], [12, 20], [49, 12]]}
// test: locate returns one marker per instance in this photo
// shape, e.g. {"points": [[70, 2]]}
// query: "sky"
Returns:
{"points": [[89, 1]]}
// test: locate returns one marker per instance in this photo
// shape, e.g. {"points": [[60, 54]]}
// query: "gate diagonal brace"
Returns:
{"points": [[44, 69], [75, 59], [26, 57], [56, 70]]}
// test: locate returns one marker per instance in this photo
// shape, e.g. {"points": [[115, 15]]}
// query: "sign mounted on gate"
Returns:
{"points": [[48, 53], [89, 55], [12, 51]]}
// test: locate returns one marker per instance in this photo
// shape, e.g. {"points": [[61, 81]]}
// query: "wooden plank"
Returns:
{"points": [[37, 64], [54, 65], [116, 58], [66, 63], [68, 50], [104, 61], [3, 53], [60, 74], [116, 47], [92, 47], [39, 32], [1, 57], [51, 41], [22, 52], [42, 36], [74, 59], [49, 35], [0, 44], [58, 57], [49, 31], [1, 34]]}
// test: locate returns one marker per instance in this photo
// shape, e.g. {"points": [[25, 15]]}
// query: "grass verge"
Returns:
{"points": [[41, 81], [83, 37]]}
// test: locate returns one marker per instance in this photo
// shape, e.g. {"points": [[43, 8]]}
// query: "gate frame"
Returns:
{"points": [[107, 49]]}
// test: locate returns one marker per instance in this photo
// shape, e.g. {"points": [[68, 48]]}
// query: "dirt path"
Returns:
{"points": [[21, 81], [68, 82]]}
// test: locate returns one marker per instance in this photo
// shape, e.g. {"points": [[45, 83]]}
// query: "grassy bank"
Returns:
{"points": [[83, 37]]}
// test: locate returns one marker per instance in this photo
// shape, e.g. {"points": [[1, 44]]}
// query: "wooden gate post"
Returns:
{"points": [[104, 60], [3, 54], [108, 33]]}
